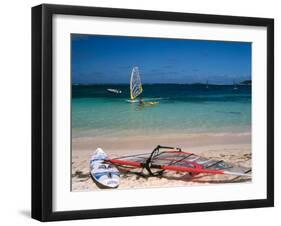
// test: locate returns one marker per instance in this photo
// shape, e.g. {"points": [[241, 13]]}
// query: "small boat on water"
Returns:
{"points": [[235, 86], [114, 91]]}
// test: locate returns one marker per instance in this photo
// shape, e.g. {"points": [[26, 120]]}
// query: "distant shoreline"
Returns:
{"points": [[127, 84]]}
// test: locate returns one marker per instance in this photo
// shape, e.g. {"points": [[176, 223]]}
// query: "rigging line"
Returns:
{"points": [[128, 156], [214, 164], [229, 167], [247, 171], [167, 147], [157, 151], [176, 161]]}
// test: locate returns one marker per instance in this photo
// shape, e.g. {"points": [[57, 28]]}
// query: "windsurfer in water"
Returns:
{"points": [[141, 103]]}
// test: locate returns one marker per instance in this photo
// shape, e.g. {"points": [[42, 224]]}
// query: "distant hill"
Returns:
{"points": [[246, 82], [198, 83]]}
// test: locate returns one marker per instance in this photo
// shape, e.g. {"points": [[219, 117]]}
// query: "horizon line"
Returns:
{"points": [[195, 83]]}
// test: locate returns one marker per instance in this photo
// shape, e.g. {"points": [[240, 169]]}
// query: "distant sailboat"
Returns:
{"points": [[234, 86], [207, 84]]}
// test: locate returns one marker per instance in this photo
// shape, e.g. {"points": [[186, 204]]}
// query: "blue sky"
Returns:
{"points": [[99, 59]]}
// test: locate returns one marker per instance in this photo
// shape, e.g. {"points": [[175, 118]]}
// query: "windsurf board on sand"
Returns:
{"points": [[104, 173]]}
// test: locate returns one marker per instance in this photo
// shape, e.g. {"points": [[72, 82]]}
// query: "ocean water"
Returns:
{"points": [[181, 109]]}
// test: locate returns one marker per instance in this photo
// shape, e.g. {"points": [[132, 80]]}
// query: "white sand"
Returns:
{"points": [[232, 147]]}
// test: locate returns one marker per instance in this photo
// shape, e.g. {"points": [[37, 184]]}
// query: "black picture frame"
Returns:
{"points": [[42, 196]]}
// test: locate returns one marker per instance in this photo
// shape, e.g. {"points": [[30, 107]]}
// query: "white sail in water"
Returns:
{"points": [[135, 84]]}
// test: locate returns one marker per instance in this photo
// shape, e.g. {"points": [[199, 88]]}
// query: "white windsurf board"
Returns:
{"points": [[104, 174]]}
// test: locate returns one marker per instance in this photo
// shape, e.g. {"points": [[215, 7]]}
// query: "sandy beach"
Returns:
{"points": [[234, 148]]}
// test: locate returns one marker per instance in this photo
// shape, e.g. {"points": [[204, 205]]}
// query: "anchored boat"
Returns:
{"points": [[114, 91]]}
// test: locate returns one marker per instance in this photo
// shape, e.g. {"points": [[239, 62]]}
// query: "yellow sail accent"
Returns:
{"points": [[135, 84]]}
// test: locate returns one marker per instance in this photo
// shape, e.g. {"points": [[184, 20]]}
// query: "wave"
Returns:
{"points": [[230, 112], [146, 99]]}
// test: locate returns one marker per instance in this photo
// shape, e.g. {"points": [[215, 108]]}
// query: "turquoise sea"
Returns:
{"points": [[182, 108]]}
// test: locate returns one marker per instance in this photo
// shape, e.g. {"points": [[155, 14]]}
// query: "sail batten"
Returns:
{"points": [[135, 84]]}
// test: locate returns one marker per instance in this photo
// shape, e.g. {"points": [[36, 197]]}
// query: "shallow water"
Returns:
{"points": [[181, 108]]}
